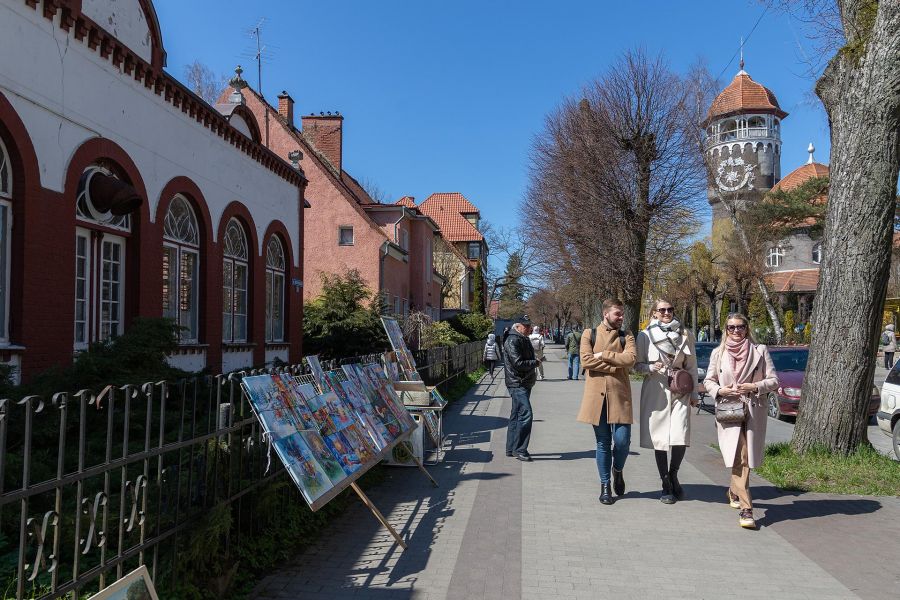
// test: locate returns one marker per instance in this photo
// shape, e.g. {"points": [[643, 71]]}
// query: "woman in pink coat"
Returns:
{"points": [[740, 368]]}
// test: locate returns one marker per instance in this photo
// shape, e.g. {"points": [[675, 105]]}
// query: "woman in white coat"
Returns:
{"points": [[666, 416], [741, 368]]}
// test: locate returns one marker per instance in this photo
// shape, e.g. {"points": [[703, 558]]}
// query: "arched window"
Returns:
{"points": [[100, 245], [235, 275], [181, 268], [817, 253], [6, 185], [275, 269], [775, 256]]}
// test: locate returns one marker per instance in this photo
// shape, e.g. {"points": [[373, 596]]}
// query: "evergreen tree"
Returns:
{"points": [[478, 291], [512, 294]]}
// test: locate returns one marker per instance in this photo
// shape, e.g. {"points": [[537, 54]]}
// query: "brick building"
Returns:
{"points": [[390, 245], [123, 194], [458, 220]]}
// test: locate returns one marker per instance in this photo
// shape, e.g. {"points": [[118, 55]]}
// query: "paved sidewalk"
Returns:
{"points": [[498, 528]]}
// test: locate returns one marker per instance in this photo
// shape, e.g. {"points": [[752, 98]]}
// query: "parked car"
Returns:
{"points": [[888, 416], [790, 367]]}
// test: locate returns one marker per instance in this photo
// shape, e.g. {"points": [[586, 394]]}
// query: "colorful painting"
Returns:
{"points": [[304, 415], [344, 452], [360, 442], [317, 406], [394, 333], [391, 366], [317, 371], [389, 397], [437, 398], [302, 466], [338, 412], [269, 403], [137, 585], [323, 456], [431, 424]]}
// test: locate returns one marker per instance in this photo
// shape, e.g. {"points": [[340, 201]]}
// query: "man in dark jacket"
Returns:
{"points": [[519, 367]]}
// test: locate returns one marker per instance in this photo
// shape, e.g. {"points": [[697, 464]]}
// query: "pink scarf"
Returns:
{"points": [[739, 353]]}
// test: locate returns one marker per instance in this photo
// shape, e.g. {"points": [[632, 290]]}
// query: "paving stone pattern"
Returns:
{"points": [[498, 528]]}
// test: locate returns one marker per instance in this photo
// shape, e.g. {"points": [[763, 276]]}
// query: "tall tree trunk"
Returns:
{"points": [[861, 92]]}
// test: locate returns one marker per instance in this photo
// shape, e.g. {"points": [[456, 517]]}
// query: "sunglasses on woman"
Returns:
{"points": [[666, 310], [736, 328]]}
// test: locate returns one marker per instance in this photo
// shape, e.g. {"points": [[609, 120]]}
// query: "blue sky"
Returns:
{"points": [[443, 96]]}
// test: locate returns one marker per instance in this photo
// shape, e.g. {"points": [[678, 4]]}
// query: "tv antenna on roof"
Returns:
{"points": [[260, 53]]}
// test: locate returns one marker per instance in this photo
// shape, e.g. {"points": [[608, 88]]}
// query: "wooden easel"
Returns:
{"points": [[378, 515]]}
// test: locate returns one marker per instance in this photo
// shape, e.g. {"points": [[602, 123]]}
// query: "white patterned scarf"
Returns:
{"points": [[667, 337]]}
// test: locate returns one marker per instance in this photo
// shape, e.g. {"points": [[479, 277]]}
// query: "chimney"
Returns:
{"points": [[324, 132], [286, 107]]}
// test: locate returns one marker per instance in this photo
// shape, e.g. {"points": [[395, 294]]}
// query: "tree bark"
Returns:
{"points": [[861, 93]]}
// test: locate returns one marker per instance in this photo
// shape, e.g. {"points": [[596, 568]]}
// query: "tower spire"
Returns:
{"points": [[812, 158], [742, 54]]}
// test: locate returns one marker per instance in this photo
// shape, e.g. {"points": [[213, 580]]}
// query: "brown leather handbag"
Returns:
{"points": [[680, 382], [732, 411]]}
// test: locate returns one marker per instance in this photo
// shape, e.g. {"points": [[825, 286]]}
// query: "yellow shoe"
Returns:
{"points": [[746, 519], [733, 500]]}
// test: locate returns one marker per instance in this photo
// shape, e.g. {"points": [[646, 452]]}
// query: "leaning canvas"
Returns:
{"points": [[134, 586]]}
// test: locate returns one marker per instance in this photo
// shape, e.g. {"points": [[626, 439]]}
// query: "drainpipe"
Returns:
{"points": [[382, 255]]}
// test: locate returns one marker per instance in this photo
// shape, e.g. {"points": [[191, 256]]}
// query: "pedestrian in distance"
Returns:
{"points": [[888, 345], [702, 336], [607, 355], [573, 348], [520, 373], [662, 348], [741, 369], [537, 343], [491, 353]]}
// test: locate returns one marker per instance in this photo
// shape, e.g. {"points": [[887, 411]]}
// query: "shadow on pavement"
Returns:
{"points": [[564, 455]]}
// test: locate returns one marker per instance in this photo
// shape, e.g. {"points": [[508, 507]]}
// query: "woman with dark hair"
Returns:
{"points": [[740, 369], [664, 346]]}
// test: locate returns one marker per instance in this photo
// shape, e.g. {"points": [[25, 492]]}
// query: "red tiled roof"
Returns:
{"points": [[407, 201], [447, 211], [744, 95], [801, 174], [800, 280]]}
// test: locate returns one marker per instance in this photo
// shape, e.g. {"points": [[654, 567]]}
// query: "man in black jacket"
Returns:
{"points": [[519, 368]]}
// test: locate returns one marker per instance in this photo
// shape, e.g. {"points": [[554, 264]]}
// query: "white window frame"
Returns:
{"points": [[184, 239], [6, 189], [235, 258], [775, 256], [341, 230], [5, 263], [276, 276], [817, 253], [94, 322]]}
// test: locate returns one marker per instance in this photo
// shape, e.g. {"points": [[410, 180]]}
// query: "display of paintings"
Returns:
{"points": [[338, 412], [323, 456], [303, 467], [365, 414], [137, 585], [318, 407], [293, 394], [402, 355], [389, 396]]}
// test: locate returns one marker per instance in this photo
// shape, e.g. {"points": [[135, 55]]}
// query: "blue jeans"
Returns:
{"points": [[518, 432], [574, 366], [613, 442]]}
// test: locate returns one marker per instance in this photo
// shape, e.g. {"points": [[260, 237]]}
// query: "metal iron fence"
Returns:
{"points": [[93, 485]]}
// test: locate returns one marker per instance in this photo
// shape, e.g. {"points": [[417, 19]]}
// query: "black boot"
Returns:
{"points": [[666, 497], [618, 482], [677, 490], [606, 494]]}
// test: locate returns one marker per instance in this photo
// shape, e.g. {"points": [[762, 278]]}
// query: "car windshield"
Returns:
{"points": [[703, 354], [790, 360]]}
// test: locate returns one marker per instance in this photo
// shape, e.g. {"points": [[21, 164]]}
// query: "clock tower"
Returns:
{"points": [[743, 147]]}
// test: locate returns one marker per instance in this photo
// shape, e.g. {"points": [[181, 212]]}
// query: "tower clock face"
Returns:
{"points": [[733, 174]]}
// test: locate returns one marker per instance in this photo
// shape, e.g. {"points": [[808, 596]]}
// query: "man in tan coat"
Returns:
{"points": [[606, 403]]}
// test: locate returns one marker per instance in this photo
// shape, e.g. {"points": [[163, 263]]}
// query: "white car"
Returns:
{"points": [[888, 415]]}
